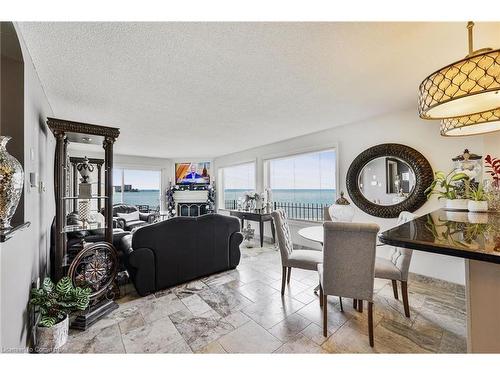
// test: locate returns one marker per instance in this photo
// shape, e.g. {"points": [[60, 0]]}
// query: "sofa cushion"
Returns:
{"points": [[133, 216]]}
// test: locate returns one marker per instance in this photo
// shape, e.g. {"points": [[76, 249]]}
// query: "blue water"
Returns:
{"points": [[152, 197], [325, 197], [149, 197]]}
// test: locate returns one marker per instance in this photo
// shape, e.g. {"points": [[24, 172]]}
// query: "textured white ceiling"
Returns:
{"points": [[208, 89]]}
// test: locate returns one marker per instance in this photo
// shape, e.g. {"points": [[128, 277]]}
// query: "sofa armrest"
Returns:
{"points": [[234, 249], [140, 264], [147, 217], [119, 222]]}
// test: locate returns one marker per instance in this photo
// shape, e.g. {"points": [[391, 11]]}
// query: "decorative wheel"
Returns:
{"points": [[95, 266]]}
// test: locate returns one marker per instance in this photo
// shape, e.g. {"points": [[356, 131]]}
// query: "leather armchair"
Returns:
{"points": [[144, 218], [180, 249]]}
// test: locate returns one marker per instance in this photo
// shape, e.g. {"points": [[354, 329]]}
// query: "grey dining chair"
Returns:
{"points": [[396, 267], [290, 258], [348, 267]]}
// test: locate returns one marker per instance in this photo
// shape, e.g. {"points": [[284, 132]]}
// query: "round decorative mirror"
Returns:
{"points": [[389, 178]]}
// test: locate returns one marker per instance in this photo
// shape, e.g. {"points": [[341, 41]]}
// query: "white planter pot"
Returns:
{"points": [[456, 204], [477, 217], [52, 338], [478, 206]]}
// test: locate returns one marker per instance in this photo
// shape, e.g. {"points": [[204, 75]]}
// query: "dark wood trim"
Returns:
{"points": [[57, 270], [418, 163], [99, 187], [325, 315], [370, 323], [108, 186], [404, 292], [68, 126], [283, 280], [395, 288], [75, 186]]}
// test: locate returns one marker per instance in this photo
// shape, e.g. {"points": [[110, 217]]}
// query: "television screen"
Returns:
{"points": [[192, 173]]}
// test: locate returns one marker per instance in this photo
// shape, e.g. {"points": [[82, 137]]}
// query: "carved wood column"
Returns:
{"points": [[75, 187], [108, 186], [57, 270], [99, 189]]}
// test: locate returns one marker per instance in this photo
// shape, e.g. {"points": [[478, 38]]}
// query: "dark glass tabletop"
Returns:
{"points": [[460, 234]]}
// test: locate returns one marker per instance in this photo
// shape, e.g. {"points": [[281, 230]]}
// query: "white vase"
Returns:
{"points": [[11, 184], [477, 206], [456, 204], [52, 338]]}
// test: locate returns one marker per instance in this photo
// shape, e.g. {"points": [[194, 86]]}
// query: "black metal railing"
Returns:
{"points": [[294, 210]]}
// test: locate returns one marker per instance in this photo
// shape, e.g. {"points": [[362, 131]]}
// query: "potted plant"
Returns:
{"points": [[478, 199], [445, 186], [55, 302]]}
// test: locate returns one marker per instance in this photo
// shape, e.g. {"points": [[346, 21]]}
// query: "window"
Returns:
{"points": [[304, 184], [237, 180], [137, 187]]}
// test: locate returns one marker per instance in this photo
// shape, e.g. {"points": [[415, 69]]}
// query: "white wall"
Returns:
{"points": [[403, 127], [25, 256]]}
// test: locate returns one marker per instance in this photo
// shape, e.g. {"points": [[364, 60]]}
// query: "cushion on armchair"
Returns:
{"points": [[133, 216]]}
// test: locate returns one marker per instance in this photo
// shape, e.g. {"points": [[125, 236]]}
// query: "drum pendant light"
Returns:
{"points": [[462, 91]]}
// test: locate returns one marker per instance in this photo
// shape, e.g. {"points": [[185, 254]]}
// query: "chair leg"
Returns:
{"points": [[360, 305], [395, 289], [341, 307], [320, 296], [325, 321], [404, 292], [283, 280], [355, 304], [289, 274], [370, 322]]}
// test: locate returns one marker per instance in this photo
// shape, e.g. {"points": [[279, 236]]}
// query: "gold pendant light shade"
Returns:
{"points": [[466, 87], [465, 95], [479, 123]]}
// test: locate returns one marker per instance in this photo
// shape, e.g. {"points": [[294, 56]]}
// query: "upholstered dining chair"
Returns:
{"points": [[396, 267], [290, 258], [348, 267]]}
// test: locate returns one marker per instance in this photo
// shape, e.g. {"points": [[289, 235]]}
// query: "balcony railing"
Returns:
{"points": [[294, 211]]}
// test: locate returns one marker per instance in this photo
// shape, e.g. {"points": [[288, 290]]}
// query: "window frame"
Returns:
{"points": [[220, 180], [266, 160], [133, 167]]}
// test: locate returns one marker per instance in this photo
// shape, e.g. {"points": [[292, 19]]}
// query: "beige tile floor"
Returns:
{"points": [[242, 311]]}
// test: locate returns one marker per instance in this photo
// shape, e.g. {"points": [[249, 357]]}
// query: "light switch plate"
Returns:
{"points": [[33, 179]]}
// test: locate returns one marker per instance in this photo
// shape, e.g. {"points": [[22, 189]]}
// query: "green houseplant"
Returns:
{"points": [[478, 199], [447, 186], [55, 302]]}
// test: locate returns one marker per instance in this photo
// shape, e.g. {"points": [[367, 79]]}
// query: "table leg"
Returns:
{"points": [[242, 224], [482, 280], [261, 230], [273, 232]]}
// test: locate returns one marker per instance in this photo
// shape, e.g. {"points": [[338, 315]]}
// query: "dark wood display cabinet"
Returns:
{"points": [[83, 249]]}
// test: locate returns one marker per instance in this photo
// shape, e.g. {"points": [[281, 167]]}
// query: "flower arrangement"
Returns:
{"points": [[493, 165]]}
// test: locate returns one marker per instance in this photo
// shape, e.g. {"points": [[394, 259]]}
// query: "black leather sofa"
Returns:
{"points": [[180, 249], [144, 218]]}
